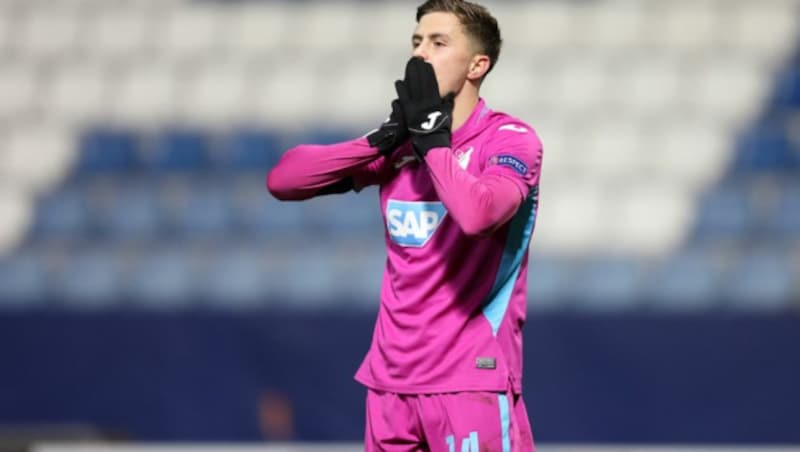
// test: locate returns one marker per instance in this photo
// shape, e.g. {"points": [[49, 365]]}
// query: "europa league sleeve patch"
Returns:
{"points": [[511, 161]]}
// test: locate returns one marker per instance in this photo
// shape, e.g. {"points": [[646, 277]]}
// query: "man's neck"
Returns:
{"points": [[464, 105]]}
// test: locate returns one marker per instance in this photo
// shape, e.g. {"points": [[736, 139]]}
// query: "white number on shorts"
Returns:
{"points": [[468, 444]]}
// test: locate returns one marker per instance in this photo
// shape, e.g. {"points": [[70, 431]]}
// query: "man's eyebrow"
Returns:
{"points": [[418, 37]]}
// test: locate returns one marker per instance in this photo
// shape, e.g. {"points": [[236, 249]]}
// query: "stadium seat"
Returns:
{"points": [[744, 32], [787, 92], [90, 280], [23, 280], [77, 94], [614, 27], [46, 34], [146, 94], [256, 30], [237, 278], [258, 214], [18, 92], [17, 214], [206, 212], [765, 147], [329, 30], [62, 214], [346, 215], [685, 29], [541, 27], [549, 279], [181, 149], [189, 35], [607, 283], [55, 153], [250, 149], [104, 149], [725, 212], [689, 280], [727, 88], [132, 213], [119, 34], [784, 221], [649, 86], [213, 93], [162, 278], [762, 280]]}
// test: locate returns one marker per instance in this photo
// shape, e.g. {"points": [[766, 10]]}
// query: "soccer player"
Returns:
{"points": [[458, 192]]}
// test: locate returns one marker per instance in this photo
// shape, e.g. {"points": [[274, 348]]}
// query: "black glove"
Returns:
{"points": [[429, 117], [392, 133]]}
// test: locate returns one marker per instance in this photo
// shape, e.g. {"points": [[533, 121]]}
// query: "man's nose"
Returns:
{"points": [[420, 52]]}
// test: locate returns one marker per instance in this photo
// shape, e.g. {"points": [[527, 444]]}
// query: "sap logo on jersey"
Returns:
{"points": [[412, 223]]}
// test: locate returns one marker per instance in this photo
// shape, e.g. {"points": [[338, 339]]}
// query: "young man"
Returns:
{"points": [[459, 192]]}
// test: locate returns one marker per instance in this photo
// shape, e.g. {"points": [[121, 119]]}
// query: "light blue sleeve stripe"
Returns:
{"points": [[504, 421], [517, 245]]}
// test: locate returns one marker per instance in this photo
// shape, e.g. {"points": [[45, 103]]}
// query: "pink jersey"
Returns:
{"points": [[453, 296]]}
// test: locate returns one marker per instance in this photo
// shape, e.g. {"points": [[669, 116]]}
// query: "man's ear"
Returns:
{"points": [[478, 67]]}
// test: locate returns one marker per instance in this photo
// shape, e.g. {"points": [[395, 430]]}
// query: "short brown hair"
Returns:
{"points": [[478, 24]]}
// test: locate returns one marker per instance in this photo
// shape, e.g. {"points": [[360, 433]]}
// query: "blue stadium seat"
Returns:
{"points": [[237, 278], [787, 91], [256, 213], [765, 147], [349, 214], [62, 213], [549, 282], [182, 149], [762, 280], [89, 280], [785, 219], [23, 281], [303, 282], [162, 278], [206, 212], [250, 149], [607, 283], [687, 281], [108, 149], [132, 214], [724, 213], [194, 206]]}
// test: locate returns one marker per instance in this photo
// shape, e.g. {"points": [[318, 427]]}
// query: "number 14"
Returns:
{"points": [[468, 444]]}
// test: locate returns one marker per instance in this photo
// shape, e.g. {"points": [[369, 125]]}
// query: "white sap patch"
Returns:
{"points": [[412, 223]]}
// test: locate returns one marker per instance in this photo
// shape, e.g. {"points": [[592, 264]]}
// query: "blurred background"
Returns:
{"points": [[152, 290]]}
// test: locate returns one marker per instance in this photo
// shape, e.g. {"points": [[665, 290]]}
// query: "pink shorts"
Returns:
{"points": [[457, 422]]}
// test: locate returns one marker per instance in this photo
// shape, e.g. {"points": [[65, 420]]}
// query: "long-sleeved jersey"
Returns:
{"points": [[458, 227]]}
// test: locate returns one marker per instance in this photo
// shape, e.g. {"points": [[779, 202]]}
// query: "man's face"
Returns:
{"points": [[439, 39]]}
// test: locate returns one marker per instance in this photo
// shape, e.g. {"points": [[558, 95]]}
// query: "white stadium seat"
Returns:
{"points": [[213, 94], [651, 216], [286, 97], [256, 31], [145, 94], [763, 31], [46, 33], [17, 214], [18, 92], [76, 94], [614, 27], [119, 34], [685, 27], [38, 156], [190, 35]]}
